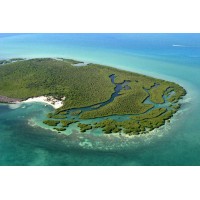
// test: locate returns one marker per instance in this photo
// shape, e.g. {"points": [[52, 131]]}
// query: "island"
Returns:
{"points": [[91, 96]]}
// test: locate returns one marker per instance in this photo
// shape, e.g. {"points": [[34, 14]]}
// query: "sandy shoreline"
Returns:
{"points": [[46, 99]]}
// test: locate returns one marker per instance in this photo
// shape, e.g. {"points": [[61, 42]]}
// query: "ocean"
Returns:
{"points": [[174, 57]]}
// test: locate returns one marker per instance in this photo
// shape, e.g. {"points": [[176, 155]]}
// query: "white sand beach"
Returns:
{"points": [[46, 99]]}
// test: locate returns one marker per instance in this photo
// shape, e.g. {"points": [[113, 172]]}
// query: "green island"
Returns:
{"points": [[117, 101]]}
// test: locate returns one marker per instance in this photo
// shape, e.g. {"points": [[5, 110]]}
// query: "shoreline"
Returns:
{"points": [[4, 99], [55, 103]]}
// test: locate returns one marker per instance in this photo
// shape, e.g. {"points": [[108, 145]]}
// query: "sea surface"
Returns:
{"points": [[24, 140]]}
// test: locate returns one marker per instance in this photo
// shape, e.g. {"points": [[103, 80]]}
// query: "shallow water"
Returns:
{"points": [[177, 143]]}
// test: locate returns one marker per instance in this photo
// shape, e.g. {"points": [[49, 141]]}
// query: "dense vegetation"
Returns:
{"points": [[60, 129], [77, 112], [84, 127], [66, 123], [90, 86], [154, 113], [51, 122], [82, 86]]}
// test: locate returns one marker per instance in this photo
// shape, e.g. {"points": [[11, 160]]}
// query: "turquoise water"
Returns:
{"points": [[174, 57]]}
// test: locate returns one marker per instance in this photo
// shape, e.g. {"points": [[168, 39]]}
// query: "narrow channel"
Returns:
{"points": [[117, 89]]}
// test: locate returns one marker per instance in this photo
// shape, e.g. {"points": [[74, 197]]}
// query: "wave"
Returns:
{"points": [[189, 46], [31, 123], [14, 106], [178, 45]]}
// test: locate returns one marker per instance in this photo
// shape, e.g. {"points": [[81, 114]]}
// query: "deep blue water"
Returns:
{"points": [[174, 57]]}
